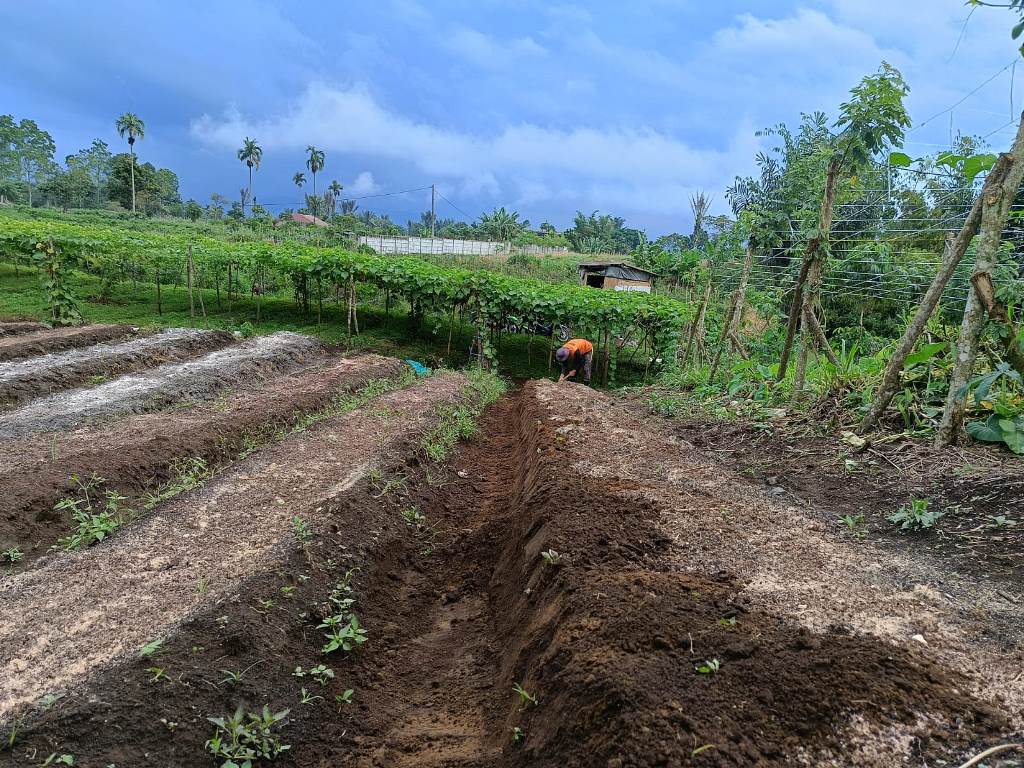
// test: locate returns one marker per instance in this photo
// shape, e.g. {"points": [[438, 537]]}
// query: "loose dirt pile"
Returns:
{"points": [[23, 380], [17, 327], [178, 383], [83, 611], [137, 454], [41, 342]]}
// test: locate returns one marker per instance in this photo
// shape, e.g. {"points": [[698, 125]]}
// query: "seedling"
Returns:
{"points": [[287, 590], [49, 700], [93, 525], [853, 523], [345, 697], [202, 585], [702, 748], [308, 698], [916, 516], [341, 635], [517, 734], [301, 529], [151, 648], [222, 621], [55, 759], [245, 737], [709, 667], [321, 674], [11, 555], [729, 621], [525, 697], [170, 724], [232, 677], [414, 517], [997, 521], [158, 674], [551, 557], [265, 605]]}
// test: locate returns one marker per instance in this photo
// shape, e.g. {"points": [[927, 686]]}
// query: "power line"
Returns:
{"points": [[965, 98], [453, 205]]}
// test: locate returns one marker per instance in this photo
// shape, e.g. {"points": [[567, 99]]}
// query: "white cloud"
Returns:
{"points": [[592, 165], [363, 184], [487, 51]]}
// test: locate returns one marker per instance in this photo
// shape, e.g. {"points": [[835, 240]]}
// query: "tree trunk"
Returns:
{"points": [[698, 321], [997, 313], [808, 285], [159, 305], [997, 199], [132, 167], [191, 301]]}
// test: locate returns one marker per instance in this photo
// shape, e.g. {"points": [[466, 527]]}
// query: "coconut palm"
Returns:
{"points": [[131, 124], [251, 154], [315, 163], [299, 179]]}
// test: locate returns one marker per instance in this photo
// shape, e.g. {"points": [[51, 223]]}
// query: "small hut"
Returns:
{"points": [[616, 276]]}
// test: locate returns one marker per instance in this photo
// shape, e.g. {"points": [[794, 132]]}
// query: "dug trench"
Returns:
{"points": [[624, 659]]}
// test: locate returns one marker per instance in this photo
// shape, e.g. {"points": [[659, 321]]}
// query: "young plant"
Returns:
{"points": [[414, 517], [343, 632], [246, 737], [92, 524], [854, 524], [11, 555], [308, 698], [916, 516], [151, 648], [322, 674], [232, 677], [709, 667], [551, 557], [1000, 521], [345, 697], [300, 528], [517, 734], [158, 674], [55, 759], [525, 697], [202, 585]]}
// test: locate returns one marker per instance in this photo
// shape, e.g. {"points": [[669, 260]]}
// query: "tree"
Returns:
{"points": [[299, 179], [132, 125], [348, 206], [193, 210], [96, 161], [215, 210], [334, 190], [34, 148], [128, 181], [315, 163], [67, 188], [251, 154], [502, 225]]}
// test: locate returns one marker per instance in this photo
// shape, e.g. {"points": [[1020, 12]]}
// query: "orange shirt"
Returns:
{"points": [[580, 346]]}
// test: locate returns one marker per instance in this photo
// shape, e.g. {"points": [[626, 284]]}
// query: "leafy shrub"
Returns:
{"points": [[916, 516], [244, 737]]}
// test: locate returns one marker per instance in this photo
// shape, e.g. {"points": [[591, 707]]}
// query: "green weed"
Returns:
{"points": [[245, 737], [92, 525], [916, 516]]}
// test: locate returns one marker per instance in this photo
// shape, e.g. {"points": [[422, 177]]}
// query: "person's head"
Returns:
{"points": [[561, 354]]}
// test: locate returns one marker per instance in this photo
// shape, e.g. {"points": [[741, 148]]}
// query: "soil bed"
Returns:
{"points": [[95, 608], [974, 486], [137, 454], [42, 342], [17, 327], [23, 380], [176, 384]]}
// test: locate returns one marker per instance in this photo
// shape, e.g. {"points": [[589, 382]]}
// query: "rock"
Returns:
{"points": [[920, 639], [778, 489]]}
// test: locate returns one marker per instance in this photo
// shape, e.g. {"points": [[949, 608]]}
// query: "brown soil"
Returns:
{"points": [[972, 485], [88, 610], [37, 377], [668, 561], [18, 345], [137, 454], [17, 327]]}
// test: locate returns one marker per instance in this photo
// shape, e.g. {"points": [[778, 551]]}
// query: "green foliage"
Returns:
{"points": [[12, 555], [918, 515], [92, 524], [245, 737], [996, 390], [525, 697], [709, 667], [457, 421]]}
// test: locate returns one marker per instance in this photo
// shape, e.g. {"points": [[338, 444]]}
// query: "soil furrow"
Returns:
{"points": [[95, 608], [43, 342], [137, 454], [23, 380], [174, 384]]}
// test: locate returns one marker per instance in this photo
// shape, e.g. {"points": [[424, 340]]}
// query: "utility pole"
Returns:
{"points": [[433, 211]]}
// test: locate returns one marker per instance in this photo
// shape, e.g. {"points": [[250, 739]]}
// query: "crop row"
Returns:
{"points": [[114, 252]]}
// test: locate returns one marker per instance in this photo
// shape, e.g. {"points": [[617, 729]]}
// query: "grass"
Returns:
{"points": [[458, 421], [22, 297]]}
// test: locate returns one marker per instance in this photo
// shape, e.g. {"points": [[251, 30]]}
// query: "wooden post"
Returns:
{"points": [[451, 326], [159, 304], [259, 292], [188, 270], [698, 321], [202, 304]]}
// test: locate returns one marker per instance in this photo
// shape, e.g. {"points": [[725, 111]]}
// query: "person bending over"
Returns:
{"points": [[577, 359]]}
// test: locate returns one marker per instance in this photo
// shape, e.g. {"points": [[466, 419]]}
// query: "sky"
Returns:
{"points": [[543, 107]]}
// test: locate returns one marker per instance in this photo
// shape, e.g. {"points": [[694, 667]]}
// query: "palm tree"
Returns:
{"points": [[131, 124], [251, 154], [299, 179], [335, 189], [315, 163]]}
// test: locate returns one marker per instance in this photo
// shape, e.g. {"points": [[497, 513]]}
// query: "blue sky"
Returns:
{"points": [[544, 107]]}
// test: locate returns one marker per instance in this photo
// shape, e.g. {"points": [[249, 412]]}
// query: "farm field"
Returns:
{"points": [[436, 571]]}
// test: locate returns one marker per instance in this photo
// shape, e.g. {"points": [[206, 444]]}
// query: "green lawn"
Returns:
{"points": [[21, 297]]}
